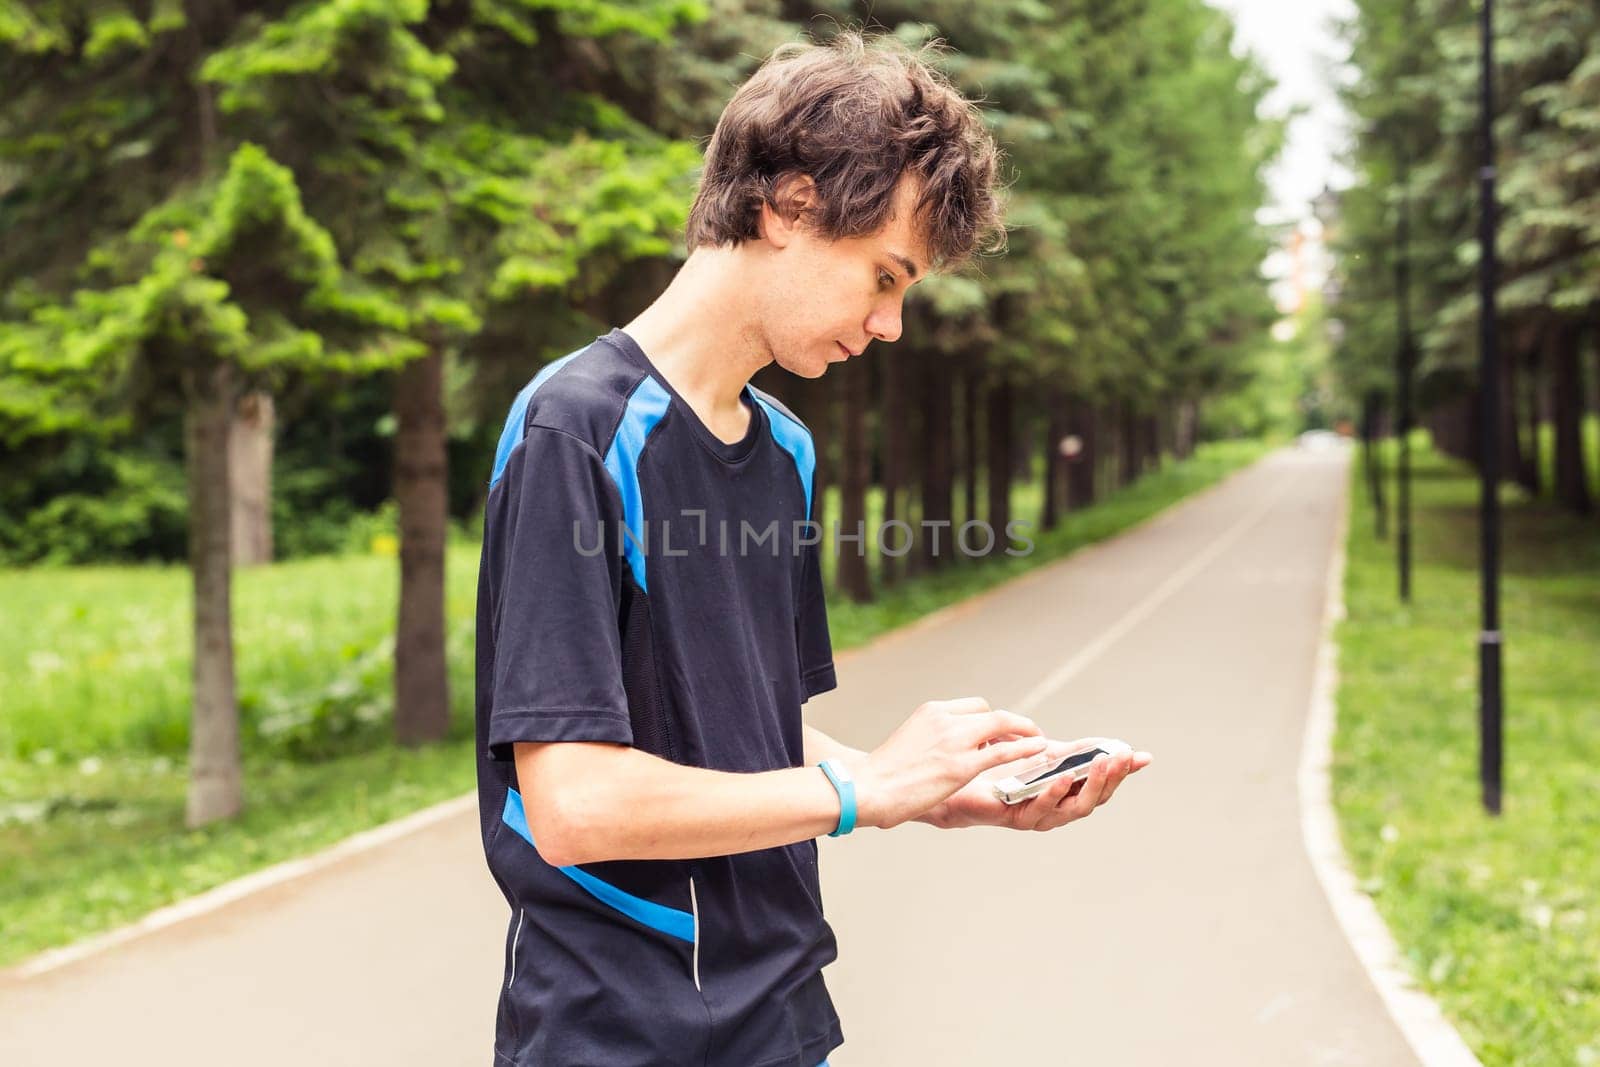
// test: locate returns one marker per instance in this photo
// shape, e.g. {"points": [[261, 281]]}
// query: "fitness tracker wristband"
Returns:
{"points": [[839, 775]]}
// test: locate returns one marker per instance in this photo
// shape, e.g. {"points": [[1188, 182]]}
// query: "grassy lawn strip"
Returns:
{"points": [[1498, 918], [92, 773]]}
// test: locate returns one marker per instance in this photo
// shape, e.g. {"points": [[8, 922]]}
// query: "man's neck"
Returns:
{"points": [[696, 334]]}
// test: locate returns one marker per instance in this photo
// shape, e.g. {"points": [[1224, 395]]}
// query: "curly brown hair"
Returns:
{"points": [[855, 114]]}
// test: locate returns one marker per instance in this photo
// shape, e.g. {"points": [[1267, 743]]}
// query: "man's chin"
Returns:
{"points": [[811, 369]]}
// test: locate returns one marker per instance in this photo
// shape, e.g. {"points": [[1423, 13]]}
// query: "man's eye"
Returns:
{"points": [[885, 279]]}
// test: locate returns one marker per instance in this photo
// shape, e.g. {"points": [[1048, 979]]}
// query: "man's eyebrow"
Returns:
{"points": [[909, 267]]}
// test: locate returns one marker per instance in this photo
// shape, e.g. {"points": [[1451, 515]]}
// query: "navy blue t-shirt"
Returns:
{"points": [[646, 583]]}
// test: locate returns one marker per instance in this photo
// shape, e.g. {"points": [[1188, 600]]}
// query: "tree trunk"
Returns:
{"points": [[1453, 423], [937, 469], [1532, 474], [971, 391], [1128, 445], [1022, 436], [250, 473], [1473, 432], [1566, 385], [820, 421], [1056, 428], [999, 454], [1081, 468], [1107, 447], [1449, 424], [892, 427], [1510, 447], [215, 780], [421, 685], [1594, 381], [914, 377], [1183, 430], [853, 476]]}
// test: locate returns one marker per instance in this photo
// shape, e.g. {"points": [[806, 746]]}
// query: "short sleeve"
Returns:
{"points": [[557, 583], [811, 628]]}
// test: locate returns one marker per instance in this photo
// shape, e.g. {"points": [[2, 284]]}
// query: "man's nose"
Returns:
{"points": [[884, 324]]}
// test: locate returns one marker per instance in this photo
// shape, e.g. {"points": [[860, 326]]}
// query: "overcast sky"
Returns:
{"points": [[1294, 40]]}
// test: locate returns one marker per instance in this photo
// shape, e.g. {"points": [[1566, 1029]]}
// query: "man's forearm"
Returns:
{"points": [[819, 746], [615, 802]]}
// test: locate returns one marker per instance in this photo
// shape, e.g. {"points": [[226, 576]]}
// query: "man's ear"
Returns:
{"points": [[794, 196]]}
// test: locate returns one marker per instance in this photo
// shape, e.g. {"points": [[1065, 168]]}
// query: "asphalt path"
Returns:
{"points": [[1181, 924]]}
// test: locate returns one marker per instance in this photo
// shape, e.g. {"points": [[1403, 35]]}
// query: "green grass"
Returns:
{"points": [[1591, 455], [95, 676], [1499, 918], [98, 659]]}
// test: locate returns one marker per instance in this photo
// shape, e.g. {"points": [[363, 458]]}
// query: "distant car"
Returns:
{"points": [[1321, 441]]}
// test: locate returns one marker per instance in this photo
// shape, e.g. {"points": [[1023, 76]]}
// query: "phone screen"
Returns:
{"points": [[1077, 759]]}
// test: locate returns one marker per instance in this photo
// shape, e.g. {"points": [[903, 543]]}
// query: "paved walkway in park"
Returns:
{"points": [[1182, 924]]}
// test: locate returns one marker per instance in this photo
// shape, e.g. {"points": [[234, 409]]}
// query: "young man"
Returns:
{"points": [[650, 606]]}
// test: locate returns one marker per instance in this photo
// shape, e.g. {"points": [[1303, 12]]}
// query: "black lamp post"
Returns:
{"points": [[1490, 711]]}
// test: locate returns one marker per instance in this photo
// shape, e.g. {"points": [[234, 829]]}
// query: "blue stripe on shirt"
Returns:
{"points": [[671, 921]]}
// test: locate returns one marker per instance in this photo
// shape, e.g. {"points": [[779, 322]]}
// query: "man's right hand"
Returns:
{"points": [[942, 746]]}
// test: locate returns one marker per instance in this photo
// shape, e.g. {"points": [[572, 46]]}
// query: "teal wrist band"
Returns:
{"points": [[845, 786]]}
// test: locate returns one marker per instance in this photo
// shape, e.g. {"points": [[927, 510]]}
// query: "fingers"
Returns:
{"points": [[986, 723], [1059, 803], [998, 753], [1106, 774], [1092, 794], [999, 737], [986, 727], [1127, 765], [1115, 777], [1068, 801]]}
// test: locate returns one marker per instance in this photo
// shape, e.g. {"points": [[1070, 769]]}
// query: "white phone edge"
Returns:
{"points": [[1011, 790]]}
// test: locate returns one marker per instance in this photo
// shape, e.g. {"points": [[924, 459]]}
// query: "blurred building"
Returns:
{"points": [[1300, 266]]}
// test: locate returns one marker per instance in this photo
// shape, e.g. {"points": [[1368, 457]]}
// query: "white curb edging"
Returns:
{"points": [[1429, 1034], [229, 892]]}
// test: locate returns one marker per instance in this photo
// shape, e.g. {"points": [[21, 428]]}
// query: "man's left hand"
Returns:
{"points": [[975, 804]]}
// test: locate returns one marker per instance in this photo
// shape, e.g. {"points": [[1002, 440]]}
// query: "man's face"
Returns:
{"points": [[822, 302]]}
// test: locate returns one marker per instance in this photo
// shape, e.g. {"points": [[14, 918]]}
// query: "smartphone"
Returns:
{"points": [[1040, 773]]}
